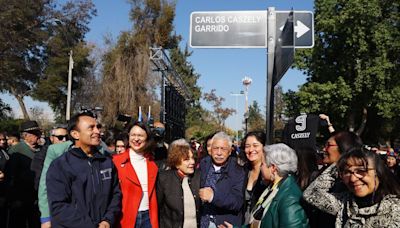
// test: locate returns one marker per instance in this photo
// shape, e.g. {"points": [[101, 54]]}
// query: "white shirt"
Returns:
{"points": [[139, 164]]}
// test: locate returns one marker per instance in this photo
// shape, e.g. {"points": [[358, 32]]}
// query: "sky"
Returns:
{"points": [[220, 69]]}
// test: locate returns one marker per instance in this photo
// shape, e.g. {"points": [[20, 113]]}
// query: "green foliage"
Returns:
{"points": [[128, 81], [354, 63], [220, 113], [67, 33], [23, 36], [256, 121], [185, 69], [10, 125]]}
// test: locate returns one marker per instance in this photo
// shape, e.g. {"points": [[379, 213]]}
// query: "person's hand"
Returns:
{"points": [[104, 224], [330, 126], [226, 225], [324, 117], [206, 194], [46, 225], [1, 176]]}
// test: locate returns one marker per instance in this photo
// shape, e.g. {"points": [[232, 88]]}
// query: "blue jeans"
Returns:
{"points": [[143, 220]]}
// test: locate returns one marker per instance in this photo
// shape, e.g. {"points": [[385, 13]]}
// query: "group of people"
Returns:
{"points": [[79, 183]]}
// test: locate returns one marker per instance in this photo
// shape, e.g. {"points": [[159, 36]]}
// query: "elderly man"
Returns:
{"points": [[19, 178], [222, 185], [82, 184], [58, 135]]}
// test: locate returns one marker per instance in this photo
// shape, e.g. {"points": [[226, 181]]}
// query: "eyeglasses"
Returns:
{"points": [[61, 137], [327, 145], [359, 173]]}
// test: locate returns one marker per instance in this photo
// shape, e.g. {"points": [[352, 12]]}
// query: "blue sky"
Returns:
{"points": [[220, 69]]}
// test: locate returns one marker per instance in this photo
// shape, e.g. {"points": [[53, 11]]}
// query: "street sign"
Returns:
{"points": [[247, 29], [228, 29], [303, 22]]}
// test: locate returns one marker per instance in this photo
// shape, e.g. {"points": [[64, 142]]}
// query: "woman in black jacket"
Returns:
{"points": [[252, 153], [178, 189]]}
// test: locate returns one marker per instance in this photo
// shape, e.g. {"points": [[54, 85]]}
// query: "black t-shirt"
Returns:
{"points": [[302, 131]]}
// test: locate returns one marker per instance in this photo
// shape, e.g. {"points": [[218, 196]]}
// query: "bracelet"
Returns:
{"points": [[330, 125]]}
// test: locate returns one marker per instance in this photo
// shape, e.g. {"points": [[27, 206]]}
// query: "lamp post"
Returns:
{"points": [[246, 82], [71, 66], [236, 108]]}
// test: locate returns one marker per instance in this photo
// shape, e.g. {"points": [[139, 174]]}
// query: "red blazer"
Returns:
{"points": [[132, 190]]}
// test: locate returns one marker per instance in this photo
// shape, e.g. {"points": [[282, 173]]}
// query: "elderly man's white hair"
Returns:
{"points": [[180, 142], [222, 136], [282, 156]]}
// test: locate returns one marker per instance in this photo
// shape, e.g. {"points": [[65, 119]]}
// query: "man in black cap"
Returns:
{"points": [[19, 178]]}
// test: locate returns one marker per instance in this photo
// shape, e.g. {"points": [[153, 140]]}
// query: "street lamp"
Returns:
{"points": [[70, 67], [246, 82], [236, 108]]}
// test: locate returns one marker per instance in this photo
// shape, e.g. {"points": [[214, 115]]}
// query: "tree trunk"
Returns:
{"points": [[20, 99], [351, 121], [363, 122]]}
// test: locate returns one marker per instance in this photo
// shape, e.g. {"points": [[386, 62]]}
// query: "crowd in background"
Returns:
{"points": [[83, 176]]}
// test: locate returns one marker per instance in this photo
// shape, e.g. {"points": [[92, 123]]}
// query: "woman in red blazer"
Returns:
{"points": [[137, 174]]}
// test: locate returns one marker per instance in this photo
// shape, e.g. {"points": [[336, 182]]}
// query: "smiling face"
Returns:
{"points": [[87, 133], [360, 180], [253, 149], [137, 138], [331, 152], [187, 164]]}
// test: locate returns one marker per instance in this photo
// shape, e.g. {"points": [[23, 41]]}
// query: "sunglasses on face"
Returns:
{"points": [[61, 137]]}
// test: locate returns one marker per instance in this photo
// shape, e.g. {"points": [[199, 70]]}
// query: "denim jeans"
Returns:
{"points": [[143, 220]]}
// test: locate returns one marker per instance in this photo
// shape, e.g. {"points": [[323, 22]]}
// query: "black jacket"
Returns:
{"points": [[170, 198], [19, 178], [82, 191]]}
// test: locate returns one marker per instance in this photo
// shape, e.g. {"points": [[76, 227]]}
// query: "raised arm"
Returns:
{"points": [[318, 194]]}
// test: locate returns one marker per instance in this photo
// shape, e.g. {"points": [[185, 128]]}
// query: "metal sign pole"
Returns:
{"points": [[271, 36]]}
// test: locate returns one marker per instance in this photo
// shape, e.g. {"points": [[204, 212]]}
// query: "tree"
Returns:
{"points": [[353, 69], [185, 69], [22, 37], [279, 109], [127, 80], [220, 114], [5, 110], [67, 34], [256, 121], [37, 113]]}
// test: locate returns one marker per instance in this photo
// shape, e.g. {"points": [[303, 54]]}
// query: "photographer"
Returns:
{"points": [[161, 151]]}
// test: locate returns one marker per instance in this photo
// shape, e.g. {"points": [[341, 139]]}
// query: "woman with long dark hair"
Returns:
{"points": [[372, 198], [338, 144], [252, 146], [137, 173], [307, 168]]}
